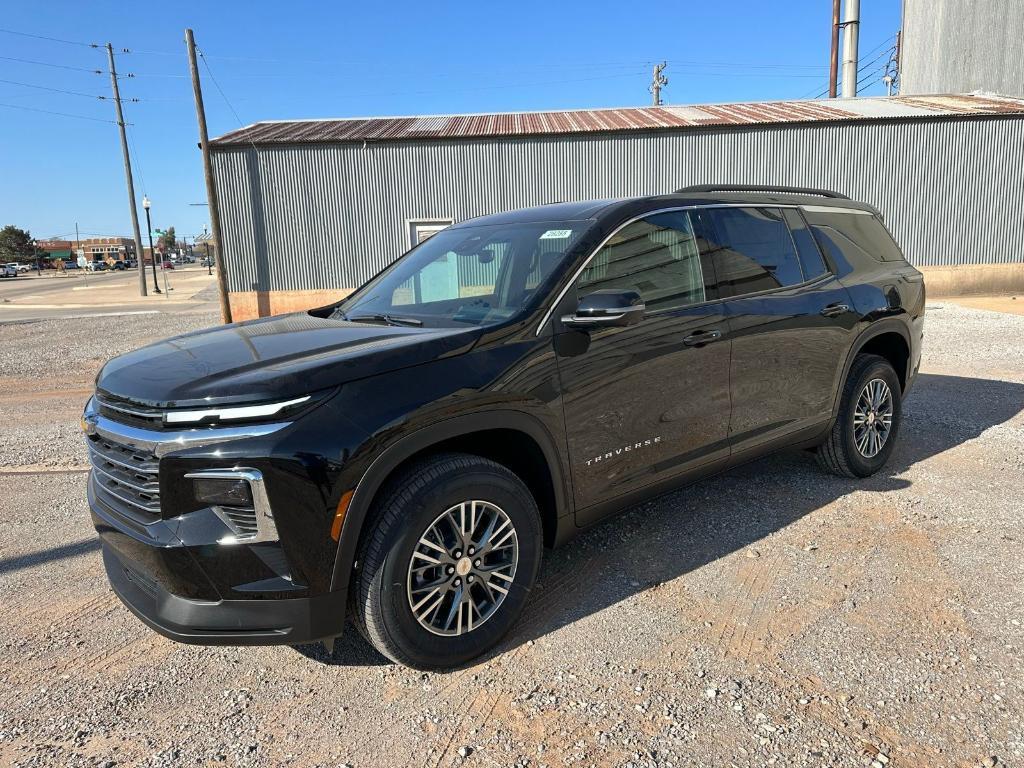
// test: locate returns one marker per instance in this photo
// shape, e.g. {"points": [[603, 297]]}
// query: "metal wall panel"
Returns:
{"points": [[953, 46], [321, 216]]}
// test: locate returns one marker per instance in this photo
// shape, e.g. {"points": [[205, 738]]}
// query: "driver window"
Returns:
{"points": [[656, 256]]}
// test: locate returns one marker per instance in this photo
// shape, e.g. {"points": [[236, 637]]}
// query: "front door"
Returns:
{"points": [[790, 319], [648, 402]]}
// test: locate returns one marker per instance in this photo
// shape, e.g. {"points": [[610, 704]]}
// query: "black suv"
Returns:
{"points": [[405, 454]]}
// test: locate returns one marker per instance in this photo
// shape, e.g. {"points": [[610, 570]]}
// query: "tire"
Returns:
{"points": [[840, 454], [414, 506]]}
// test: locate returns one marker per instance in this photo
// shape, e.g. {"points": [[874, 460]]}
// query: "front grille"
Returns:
{"points": [[130, 413], [126, 478]]}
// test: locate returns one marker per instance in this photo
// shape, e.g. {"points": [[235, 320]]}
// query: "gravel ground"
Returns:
{"points": [[771, 616]]}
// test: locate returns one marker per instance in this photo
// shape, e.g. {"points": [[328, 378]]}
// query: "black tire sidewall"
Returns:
{"points": [[861, 465], [388, 590]]}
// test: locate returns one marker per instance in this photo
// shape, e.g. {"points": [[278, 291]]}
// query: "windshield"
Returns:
{"points": [[467, 275]]}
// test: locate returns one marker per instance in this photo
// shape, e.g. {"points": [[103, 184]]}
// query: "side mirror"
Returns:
{"points": [[608, 307]]}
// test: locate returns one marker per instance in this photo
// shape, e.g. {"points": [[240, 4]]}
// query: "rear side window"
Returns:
{"points": [[810, 257], [658, 258], [861, 232], [752, 249]]}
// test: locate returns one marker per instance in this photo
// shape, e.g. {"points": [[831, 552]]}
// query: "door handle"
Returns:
{"points": [[700, 338], [835, 310]]}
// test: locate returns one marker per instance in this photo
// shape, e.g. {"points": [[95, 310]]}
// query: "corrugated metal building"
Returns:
{"points": [[313, 208], [955, 46]]}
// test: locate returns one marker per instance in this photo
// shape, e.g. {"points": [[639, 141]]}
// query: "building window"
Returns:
{"points": [[421, 229]]}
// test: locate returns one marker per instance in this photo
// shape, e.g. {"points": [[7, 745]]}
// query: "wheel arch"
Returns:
{"points": [[889, 338], [529, 445]]}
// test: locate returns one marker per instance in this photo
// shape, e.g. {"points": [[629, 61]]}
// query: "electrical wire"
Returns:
{"points": [[51, 39], [889, 40], [62, 114], [136, 163], [55, 90], [217, 86], [50, 64]]}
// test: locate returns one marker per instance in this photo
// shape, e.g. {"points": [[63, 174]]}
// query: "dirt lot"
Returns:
{"points": [[771, 616]]}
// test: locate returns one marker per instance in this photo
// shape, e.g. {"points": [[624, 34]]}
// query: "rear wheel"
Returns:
{"points": [[449, 563], [870, 411]]}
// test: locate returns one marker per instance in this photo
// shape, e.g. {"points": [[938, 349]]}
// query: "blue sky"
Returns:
{"points": [[304, 59]]}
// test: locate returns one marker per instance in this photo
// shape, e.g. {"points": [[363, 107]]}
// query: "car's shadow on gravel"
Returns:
{"points": [[674, 534]]}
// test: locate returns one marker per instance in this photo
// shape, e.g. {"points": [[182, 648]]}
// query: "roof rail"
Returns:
{"points": [[762, 188]]}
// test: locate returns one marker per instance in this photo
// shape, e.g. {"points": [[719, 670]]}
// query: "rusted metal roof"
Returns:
{"points": [[440, 127]]}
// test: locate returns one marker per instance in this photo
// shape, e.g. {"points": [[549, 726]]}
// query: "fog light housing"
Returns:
{"points": [[234, 492]]}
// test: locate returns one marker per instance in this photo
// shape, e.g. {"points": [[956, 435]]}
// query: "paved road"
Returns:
{"points": [[77, 294], [50, 283]]}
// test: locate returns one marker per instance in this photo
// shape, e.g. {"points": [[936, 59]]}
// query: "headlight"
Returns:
{"points": [[227, 413]]}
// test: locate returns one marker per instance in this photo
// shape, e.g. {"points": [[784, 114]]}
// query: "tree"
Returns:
{"points": [[167, 240], [16, 244]]}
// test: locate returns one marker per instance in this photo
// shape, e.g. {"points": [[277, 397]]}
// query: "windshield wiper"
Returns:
{"points": [[388, 319]]}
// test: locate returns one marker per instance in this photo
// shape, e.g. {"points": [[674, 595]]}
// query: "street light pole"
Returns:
{"points": [[152, 251]]}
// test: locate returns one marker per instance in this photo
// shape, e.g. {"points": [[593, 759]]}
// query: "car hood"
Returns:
{"points": [[271, 359]]}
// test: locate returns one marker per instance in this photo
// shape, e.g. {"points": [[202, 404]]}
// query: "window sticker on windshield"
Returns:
{"points": [[556, 234]]}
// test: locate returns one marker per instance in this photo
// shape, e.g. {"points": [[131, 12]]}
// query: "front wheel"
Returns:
{"points": [[870, 412], [449, 563]]}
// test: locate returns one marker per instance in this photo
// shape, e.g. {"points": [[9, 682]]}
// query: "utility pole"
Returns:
{"points": [[211, 191], [127, 167], [851, 38], [658, 81], [833, 69]]}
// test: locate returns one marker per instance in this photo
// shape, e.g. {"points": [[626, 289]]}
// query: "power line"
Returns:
{"points": [[888, 40], [135, 159], [882, 69], [50, 64], [51, 39], [217, 86], [69, 93], [62, 114], [55, 90]]}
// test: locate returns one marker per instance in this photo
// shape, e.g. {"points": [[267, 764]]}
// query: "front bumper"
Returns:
{"points": [[184, 575], [223, 622]]}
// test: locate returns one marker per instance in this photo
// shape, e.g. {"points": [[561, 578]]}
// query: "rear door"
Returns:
{"points": [[790, 319], [648, 402]]}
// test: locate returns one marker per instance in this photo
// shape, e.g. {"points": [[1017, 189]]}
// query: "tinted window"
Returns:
{"points": [[862, 232], [752, 249], [810, 257], [657, 257]]}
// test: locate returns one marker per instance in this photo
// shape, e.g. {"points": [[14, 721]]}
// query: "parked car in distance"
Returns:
{"points": [[208, 261], [71, 265], [8, 270], [21, 268], [118, 266], [96, 266], [405, 454], [168, 264]]}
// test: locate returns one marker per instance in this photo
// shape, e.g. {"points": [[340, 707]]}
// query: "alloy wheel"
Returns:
{"points": [[462, 568], [872, 418]]}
